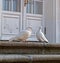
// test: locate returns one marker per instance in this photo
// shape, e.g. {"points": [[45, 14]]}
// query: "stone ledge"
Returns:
{"points": [[28, 44], [13, 58], [43, 57], [52, 44], [28, 58], [28, 48], [20, 47]]}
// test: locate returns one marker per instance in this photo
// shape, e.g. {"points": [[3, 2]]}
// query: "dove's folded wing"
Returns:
{"points": [[23, 35], [43, 37]]}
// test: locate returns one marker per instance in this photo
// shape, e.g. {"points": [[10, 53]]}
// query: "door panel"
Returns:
{"points": [[11, 18], [10, 25], [34, 21]]}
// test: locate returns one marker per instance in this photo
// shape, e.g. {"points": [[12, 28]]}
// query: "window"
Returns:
{"points": [[12, 5], [6, 4], [35, 7]]}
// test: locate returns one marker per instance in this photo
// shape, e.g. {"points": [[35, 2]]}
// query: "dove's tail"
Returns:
{"points": [[46, 40], [11, 39]]}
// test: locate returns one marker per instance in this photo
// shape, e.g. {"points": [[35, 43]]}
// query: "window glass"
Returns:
{"points": [[9, 5], [17, 5], [38, 7], [29, 6], [5, 5], [12, 5], [35, 7]]}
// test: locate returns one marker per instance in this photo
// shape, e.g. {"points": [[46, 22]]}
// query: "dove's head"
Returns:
{"points": [[29, 29], [40, 27]]}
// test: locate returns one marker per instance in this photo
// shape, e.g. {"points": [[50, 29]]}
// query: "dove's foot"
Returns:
{"points": [[43, 42]]}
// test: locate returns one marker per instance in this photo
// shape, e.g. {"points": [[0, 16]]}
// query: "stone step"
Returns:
{"points": [[10, 58], [28, 48]]}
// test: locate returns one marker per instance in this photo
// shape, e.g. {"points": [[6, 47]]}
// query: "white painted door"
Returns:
{"points": [[16, 17], [11, 18], [33, 16]]}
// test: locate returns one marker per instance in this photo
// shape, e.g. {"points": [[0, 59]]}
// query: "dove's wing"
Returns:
{"points": [[38, 36], [43, 37], [24, 35], [21, 36]]}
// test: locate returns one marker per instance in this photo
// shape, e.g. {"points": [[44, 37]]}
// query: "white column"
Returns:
{"points": [[57, 21], [0, 16], [54, 21]]}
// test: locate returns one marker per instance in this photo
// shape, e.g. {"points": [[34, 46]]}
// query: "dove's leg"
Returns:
{"points": [[20, 40], [24, 40]]}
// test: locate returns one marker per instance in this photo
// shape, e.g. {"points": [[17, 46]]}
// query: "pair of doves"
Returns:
{"points": [[25, 34]]}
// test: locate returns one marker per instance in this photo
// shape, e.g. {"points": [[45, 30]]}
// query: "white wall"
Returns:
{"points": [[0, 16], [49, 18]]}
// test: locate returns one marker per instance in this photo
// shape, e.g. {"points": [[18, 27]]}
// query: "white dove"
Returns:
{"points": [[40, 36], [23, 36]]}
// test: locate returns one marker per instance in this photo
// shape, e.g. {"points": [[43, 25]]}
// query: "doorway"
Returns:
{"points": [[16, 17]]}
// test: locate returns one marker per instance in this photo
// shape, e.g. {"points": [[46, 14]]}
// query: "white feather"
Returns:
{"points": [[40, 36], [25, 34]]}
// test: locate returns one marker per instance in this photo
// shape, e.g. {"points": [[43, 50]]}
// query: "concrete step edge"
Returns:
{"points": [[17, 57]]}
